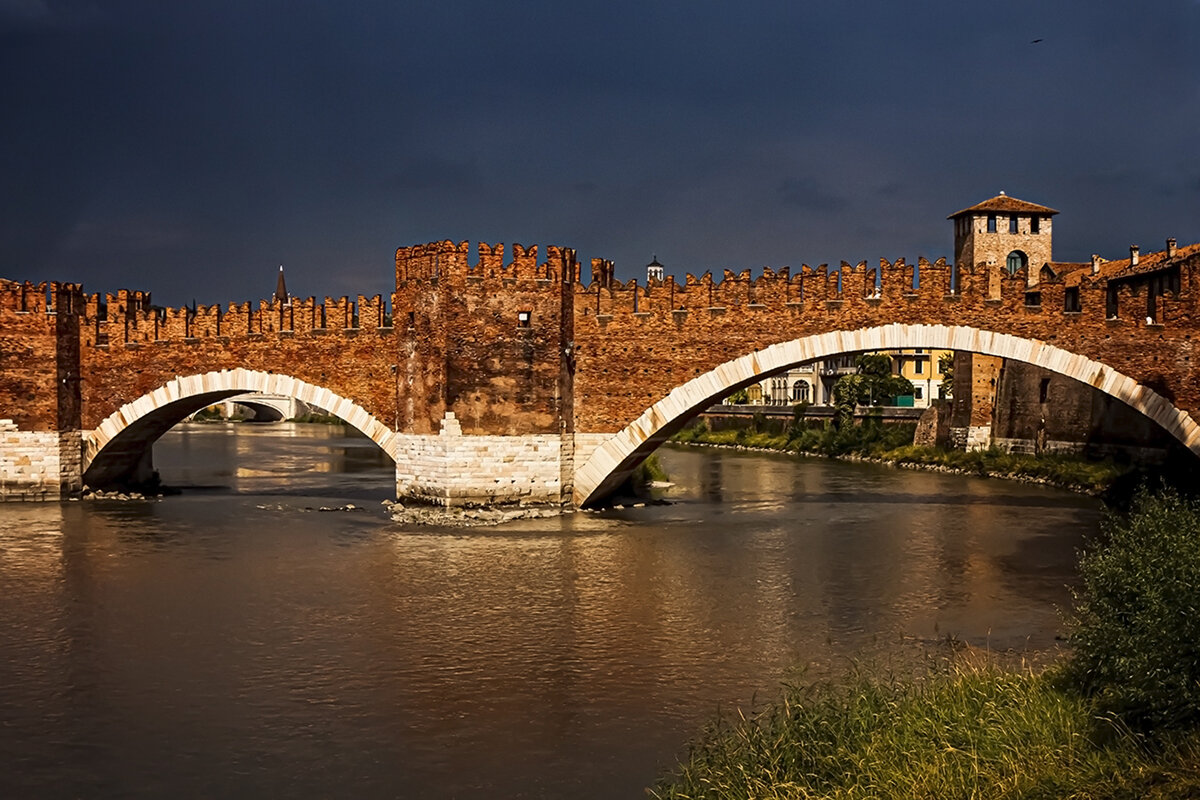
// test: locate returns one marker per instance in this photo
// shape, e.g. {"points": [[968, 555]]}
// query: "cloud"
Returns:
{"points": [[808, 194], [434, 172]]}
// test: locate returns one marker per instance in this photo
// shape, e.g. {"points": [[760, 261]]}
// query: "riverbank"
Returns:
{"points": [[965, 728], [892, 445], [1118, 715]]}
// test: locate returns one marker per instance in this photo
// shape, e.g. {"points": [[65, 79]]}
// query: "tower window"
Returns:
{"points": [[1012, 223], [991, 223], [1035, 224], [1016, 261], [523, 318]]}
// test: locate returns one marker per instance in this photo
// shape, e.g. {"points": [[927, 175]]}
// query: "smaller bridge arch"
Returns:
{"points": [[616, 457], [119, 447]]}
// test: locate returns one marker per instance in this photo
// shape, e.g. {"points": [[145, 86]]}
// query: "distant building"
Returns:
{"points": [[654, 271], [281, 293]]}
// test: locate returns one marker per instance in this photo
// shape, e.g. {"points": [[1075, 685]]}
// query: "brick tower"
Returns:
{"points": [[1004, 231]]}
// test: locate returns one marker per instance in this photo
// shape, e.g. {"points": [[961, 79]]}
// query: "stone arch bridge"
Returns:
{"points": [[513, 379]]}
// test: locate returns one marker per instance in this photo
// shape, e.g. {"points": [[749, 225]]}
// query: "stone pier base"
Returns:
{"points": [[975, 437], [451, 469], [39, 465]]}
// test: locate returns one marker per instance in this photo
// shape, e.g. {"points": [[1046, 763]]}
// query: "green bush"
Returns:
{"points": [[1136, 630]]}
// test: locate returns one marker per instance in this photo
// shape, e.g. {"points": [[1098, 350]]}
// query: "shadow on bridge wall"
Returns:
{"points": [[118, 450], [614, 459]]}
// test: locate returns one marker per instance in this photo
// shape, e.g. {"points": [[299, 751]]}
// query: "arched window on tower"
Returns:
{"points": [[1016, 261]]}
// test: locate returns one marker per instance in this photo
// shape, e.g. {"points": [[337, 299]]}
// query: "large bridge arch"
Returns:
{"points": [[616, 457], [117, 449]]}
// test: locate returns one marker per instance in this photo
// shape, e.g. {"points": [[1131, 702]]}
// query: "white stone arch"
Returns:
{"points": [[615, 458], [125, 435]]}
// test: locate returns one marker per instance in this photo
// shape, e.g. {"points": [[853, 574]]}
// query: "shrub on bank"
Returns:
{"points": [[1136, 631]]}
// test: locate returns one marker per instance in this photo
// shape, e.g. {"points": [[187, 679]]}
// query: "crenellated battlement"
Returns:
{"points": [[891, 287], [128, 317], [40, 298], [446, 261]]}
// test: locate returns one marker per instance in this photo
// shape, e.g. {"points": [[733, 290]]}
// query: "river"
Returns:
{"points": [[236, 641]]}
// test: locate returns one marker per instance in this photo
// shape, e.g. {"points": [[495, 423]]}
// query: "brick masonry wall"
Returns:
{"points": [[589, 359], [127, 352], [627, 359], [489, 342]]}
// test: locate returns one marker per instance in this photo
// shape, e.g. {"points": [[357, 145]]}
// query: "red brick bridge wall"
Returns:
{"points": [[607, 351]]}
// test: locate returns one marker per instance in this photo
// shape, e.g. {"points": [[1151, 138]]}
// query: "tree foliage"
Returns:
{"points": [[946, 367], [873, 385], [1136, 632]]}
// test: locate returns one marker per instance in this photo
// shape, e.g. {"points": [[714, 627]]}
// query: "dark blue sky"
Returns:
{"points": [[190, 148]]}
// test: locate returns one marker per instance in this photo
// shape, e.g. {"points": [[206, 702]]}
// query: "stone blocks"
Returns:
{"points": [[450, 469], [38, 465]]}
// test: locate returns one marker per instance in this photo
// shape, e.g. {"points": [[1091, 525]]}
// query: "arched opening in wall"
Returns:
{"points": [[801, 392], [1016, 262], [192, 443], [1105, 413]]}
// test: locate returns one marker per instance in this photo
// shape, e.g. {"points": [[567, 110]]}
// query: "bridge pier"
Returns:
{"points": [[452, 469], [39, 465]]}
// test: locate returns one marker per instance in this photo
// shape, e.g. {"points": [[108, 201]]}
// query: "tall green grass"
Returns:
{"points": [[968, 730]]}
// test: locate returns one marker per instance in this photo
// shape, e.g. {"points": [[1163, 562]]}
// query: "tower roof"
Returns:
{"points": [[281, 292], [1004, 204]]}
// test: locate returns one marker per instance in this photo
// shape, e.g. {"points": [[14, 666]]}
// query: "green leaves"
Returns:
{"points": [[1136, 631]]}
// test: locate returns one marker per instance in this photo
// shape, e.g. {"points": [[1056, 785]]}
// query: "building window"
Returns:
{"points": [[1016, 262], [1071, 300], [1035, 224], [917, 395], [991, 223], [1012, 223], [919, 366], [523, 318], [800, 392]]}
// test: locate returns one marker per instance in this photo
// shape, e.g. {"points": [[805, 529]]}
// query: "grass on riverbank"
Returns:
{"points": [[893, 444], [967, 729], [1116, 717]]}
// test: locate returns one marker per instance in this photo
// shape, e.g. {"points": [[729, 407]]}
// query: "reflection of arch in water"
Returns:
{"points": [[119, 449], [615, 458]]}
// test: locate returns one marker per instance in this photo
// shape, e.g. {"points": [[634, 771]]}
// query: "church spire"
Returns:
{"points": [[281, 293]]}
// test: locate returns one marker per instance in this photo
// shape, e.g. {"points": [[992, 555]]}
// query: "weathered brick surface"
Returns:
{"points": [[527, 348], [626, 359], [130, 349], [466, 347]]}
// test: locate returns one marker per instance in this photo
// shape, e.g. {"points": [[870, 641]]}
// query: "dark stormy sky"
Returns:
{"points": [[189, 148]]}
